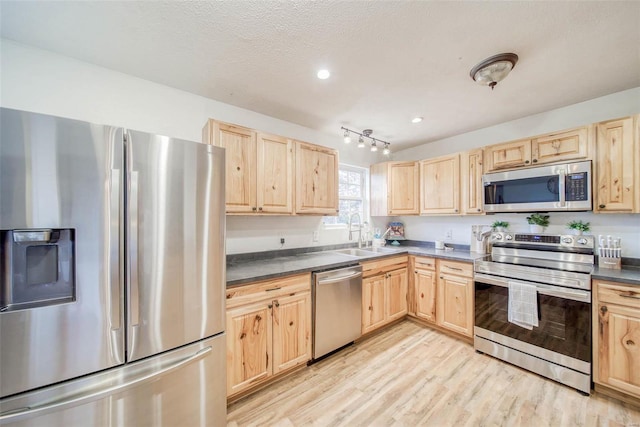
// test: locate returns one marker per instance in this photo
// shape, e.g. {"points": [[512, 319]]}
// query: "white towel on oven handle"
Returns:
{"points": [[523, 304]]}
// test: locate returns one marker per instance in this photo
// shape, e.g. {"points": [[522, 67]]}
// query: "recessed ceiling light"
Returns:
{"points": [[323, 74], [416, 120]]}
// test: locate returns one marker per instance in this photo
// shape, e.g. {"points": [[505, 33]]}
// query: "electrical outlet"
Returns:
{"points": [[282, 240], [316, 236], [449, 234]]}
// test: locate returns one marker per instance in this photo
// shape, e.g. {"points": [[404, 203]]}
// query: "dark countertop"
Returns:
{"points": [[240, 272], [629, 274]]}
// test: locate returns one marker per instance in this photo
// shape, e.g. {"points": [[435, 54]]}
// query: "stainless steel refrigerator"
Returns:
{"points": [[113, 275]]}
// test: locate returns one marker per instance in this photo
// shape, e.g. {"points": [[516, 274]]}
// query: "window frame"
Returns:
{"points": [[364, 184]]}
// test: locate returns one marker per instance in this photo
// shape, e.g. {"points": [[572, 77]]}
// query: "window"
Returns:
{"points": [[352, 195]]}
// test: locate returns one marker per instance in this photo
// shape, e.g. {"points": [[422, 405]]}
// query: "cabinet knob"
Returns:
{"points": [[270, 305], [455, 210], [260, 208], [535, 160], [478, 209], [277, 304], [604, 309], [254, 208], [629, 342], [602, 206], [526, 162]]}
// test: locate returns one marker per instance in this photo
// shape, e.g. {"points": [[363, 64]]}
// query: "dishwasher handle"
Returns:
{"points": [[339, 279]]}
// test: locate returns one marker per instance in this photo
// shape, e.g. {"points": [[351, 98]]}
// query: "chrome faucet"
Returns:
{"points": [[359, 228]]}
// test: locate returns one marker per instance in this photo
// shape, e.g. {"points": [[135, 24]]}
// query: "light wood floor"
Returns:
{"points": [[410, 375]]}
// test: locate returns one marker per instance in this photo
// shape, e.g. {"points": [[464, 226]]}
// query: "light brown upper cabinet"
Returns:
{"points": [[394, 188], [258, 169], [616, 175], [471, 180], [570, 144], [316, 179], [440, 185]]}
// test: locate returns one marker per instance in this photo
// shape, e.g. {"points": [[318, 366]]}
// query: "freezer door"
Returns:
{"points": [[185, 387], [61, 174], [175, 243]]}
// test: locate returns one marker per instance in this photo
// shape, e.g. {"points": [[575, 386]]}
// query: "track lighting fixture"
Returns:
{"points": [[366, 134], [347, 138]]}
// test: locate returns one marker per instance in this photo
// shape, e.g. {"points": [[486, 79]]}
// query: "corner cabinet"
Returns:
{"points": [[258, 169], [616, 337], [316, 179], [394, 188], [268, 330], [616, 167], [440, 185], [384, 292]]}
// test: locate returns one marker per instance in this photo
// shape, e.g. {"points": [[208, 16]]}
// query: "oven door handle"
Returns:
{"points": [[553, 291]]}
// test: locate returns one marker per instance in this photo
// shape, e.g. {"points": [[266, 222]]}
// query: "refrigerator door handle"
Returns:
{"points": [[40, 409], [114, 251], [134, 297]]}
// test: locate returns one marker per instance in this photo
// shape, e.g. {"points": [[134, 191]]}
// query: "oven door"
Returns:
{"points": [[564, 332]]}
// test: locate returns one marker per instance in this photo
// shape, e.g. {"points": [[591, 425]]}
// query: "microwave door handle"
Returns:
{"points": [[562, 188]]}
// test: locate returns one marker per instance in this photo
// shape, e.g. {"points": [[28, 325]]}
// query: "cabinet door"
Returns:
{"points": [[316, 179], [455, 304], [471, 179], [291, 331], [249, 335], [240, 166], [425, 294], [373, 305], [403, 188], [396, 294], [619, 347], [615, 166], [559, 146], [275, 174], [440, 185], [509, 155]]}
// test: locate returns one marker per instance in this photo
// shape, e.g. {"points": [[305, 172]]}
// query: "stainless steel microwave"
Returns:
{"points": [[563, 187]]}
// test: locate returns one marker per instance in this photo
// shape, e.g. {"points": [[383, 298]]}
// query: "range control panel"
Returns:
{"points": [[557, 240]]}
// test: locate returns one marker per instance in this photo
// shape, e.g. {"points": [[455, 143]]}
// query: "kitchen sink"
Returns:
{"points": [[384, 250], [355, 252], [367, 252]]}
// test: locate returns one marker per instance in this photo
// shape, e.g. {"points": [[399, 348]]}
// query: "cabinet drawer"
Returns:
{"points": [[620, 294], [456, 268], [384, 265], [424, 263], [268, 289]]}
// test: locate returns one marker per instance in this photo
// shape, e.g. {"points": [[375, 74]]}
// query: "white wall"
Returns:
{"points": [[612, 106], [44, 82]]}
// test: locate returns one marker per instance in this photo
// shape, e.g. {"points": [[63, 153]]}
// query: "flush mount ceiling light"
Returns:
{"points": [[323, 74], [367, 134], [492, 70], [416, 120]]}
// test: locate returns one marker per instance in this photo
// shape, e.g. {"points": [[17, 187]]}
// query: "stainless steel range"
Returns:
{"points": [[556, 271]]}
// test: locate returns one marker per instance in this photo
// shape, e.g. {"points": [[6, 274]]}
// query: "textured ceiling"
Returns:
{"points": [[390, 60]]}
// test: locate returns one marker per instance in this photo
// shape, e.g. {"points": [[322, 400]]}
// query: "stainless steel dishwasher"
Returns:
{"points": [[337, 309]]}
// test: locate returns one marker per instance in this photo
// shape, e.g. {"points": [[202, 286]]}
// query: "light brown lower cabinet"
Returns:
{"points": [[268, 330], [384, 292], [616, 337], [443, 293]]}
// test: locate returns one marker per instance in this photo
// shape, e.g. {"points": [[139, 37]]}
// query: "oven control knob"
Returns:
{"points": [[567, 240], [582, 241], [508, 237], [497, 237]]}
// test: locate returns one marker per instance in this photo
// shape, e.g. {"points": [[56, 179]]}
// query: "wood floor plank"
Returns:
{"points": [[410, 375]]}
